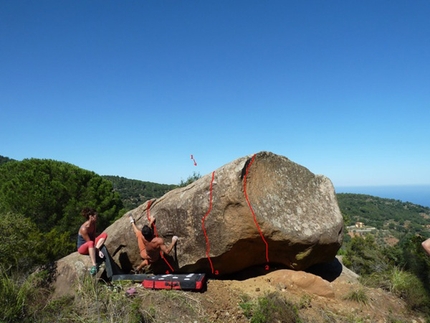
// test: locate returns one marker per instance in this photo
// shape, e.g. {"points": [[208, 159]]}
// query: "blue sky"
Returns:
{"points": [[134, 88]]}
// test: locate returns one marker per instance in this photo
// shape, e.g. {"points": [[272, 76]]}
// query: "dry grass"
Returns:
{"points": [[223, 301]]}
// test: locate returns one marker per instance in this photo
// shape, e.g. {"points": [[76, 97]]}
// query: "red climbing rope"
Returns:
{"points": [[156, 234], [203, 223], [252, 211]]}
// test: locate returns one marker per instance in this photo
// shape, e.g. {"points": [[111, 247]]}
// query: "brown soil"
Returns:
{"points": [[317, 300]]}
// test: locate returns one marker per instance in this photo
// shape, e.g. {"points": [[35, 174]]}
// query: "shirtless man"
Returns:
{"points": [[149, 245]]}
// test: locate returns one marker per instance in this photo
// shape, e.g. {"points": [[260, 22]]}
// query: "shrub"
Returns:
{"points": [[14, 297], [364, 256], [246, 305], [190, 179], [358, 295], [93, 302], [20, 243], [270, 308], [411, 289], [377, 280]]}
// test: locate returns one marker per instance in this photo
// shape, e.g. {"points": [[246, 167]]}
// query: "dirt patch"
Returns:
{"points": [[316, 299]]}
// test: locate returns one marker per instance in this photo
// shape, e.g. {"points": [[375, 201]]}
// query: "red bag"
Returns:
{"points": [[175, 281]]}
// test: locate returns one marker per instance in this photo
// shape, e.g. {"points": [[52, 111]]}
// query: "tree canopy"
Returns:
{"points": [[52, 193], [135, 192], [383, 213]]}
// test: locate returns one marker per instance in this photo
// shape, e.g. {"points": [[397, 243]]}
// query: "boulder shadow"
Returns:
{"points": [[328, 271]]}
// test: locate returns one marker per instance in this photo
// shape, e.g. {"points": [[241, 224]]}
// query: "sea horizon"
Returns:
{"points": [[416, 194]]}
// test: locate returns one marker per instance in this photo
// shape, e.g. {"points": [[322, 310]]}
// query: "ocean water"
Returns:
{"points": [[417, 194]]}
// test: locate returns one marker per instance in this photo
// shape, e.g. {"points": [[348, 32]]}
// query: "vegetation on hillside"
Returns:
{"points": [[192, 178], [134, 192], [402, 267], [4, 160], [384, 214], [40, 202]]}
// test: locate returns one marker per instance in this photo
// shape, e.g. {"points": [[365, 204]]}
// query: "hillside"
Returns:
{"points": [[377, 212], [393, 286], [269, 298], [134, 192], [393, 216], [4, 159]]}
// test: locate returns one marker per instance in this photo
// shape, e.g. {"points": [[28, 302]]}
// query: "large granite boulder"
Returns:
{"points": [[259, 210]]}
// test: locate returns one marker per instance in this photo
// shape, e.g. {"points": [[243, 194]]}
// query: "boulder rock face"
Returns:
{"points": [[259, 210], [70, 273]]}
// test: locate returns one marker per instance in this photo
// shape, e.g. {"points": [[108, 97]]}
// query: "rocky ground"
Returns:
{"points": [[324, 294], [316, 299]]}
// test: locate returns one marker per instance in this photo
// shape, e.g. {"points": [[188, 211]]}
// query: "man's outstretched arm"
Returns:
{"points": [[135, 229], [166, 249]]}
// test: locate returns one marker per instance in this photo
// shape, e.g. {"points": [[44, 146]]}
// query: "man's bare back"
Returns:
{"points": [[153, 248]]}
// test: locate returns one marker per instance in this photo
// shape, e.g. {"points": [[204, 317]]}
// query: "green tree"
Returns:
{"points": [[364, 256], [375, 211], [190, 179], [135, 192], [20, 243], [4, 159], [52, 193], [414, 259]]}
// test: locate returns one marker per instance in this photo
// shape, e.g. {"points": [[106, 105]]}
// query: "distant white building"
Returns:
{"points": [[359, 224]]}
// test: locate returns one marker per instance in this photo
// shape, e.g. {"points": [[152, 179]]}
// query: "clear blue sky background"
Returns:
{"points": [[133, 88]]}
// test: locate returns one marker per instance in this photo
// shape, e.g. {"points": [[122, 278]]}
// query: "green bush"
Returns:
{"points": [[408, 287], [403, 284], [24, 247], [14, 298], [246, 305], [190, 179], [56, 245], [364, 256], [269, 308], [93, 302], [358, 296], [21, 243], [24, 297], [377, 280]]}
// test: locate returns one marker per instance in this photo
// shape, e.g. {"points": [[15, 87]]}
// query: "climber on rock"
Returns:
{"points": [[150, 246]]}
